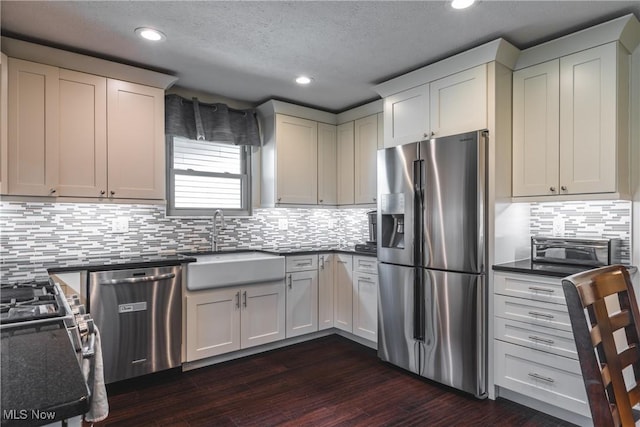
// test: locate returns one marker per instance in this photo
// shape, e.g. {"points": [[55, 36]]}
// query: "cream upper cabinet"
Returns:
{"points": [[380, 131], [458, 103], [345, 162], [32, 143], [83, 135], [589, 85], [536, 129], [365, 166], [570, 125], [327, 167], [135, 126], [406, 116], [296, 162]]}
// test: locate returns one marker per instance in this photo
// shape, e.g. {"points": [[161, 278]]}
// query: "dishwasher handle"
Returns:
{"points": [[141, 279]]}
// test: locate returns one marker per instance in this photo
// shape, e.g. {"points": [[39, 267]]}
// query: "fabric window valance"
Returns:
{"points": [[209, 122]]}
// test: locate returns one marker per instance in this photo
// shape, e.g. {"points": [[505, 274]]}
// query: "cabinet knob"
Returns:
{"points": [[552, 189], [563, 188], [102, 192], [320, 200], [52, 191], [426, 135], [113, 193], [279, 198], [374, 199]]}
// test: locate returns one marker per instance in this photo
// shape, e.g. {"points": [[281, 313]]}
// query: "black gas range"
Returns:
{"points": [[45, 337]]}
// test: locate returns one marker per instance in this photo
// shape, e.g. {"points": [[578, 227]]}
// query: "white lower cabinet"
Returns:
{"points": [[302, 294], [534, 350], [343, 293], [326, 271], [365, 305], [227, 319]]}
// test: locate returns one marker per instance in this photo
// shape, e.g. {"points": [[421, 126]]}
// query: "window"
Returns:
{"points": [[204, 176]]}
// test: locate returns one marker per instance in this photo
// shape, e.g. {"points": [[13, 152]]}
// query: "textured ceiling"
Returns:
{"points": [[251, 51]]}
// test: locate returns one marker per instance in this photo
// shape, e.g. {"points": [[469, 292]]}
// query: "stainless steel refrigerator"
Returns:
{"points": [[431, 248]]}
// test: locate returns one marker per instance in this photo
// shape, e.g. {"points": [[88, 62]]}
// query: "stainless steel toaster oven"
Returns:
{"points": [[576, 251]]}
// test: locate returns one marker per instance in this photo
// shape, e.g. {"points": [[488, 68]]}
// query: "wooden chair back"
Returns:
{"points": [[595, 317]]}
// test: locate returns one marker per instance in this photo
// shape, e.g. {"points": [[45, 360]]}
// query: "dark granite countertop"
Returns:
{"points": [[120, 262], [40, 374], [525, 266]]}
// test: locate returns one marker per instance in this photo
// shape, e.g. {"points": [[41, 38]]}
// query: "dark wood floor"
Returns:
{"points": [[330, 381]]}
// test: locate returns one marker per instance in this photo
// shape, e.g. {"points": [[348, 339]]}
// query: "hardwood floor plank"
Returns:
{"points": [[329, 381]]}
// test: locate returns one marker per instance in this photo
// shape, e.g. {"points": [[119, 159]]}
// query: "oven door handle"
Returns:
{"points": [[89, 350], [139, 279]]}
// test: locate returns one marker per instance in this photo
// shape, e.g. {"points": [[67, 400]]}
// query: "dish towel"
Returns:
{"points": [[99, 405]]}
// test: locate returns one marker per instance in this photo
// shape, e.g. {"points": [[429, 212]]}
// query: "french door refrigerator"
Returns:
{"points": [[431, 247]]}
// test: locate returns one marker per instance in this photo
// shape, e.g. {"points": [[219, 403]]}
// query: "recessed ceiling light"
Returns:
{"points": [[303, 80], [150, 34], [461, 4]]}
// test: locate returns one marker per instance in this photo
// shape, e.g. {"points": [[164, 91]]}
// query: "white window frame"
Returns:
{"points": [[245, 179]]}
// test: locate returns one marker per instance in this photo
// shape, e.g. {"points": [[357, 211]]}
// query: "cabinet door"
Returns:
{"points": [[536, 130], [33, 129], [213, 323], [302, 303], [343, 294], [345, 161], [406, 116], [296, 160], [327, 168], [588, 131], [263, 314], [365, 306], [325, 291], [135, 129], [366, 148], [459, 102], [83, 135], [380, 131]]}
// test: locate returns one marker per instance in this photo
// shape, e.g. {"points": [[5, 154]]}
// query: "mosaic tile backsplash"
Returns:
{"points": [[34, 234], [595, 219]]}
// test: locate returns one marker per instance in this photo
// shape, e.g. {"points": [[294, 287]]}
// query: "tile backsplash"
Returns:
{"points": [[33, 234], [595, 219]]}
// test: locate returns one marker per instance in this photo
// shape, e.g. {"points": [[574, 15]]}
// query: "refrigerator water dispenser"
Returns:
{"points": [[392, 217]]}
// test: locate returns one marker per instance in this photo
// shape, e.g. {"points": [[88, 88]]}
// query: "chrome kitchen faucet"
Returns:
{"points": [[215, 230]]}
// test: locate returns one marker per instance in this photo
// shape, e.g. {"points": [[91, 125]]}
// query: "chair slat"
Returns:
{"points": [[629, 356], [608, 284], [634, 395], [620, 319], [596, 337], [606, 377]]}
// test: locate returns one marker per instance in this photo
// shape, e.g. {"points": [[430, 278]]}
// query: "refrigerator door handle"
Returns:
{"points": [[418, 211], [418, 306]]}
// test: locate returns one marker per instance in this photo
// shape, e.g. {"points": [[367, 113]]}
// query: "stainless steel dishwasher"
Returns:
{"points": [[139, 315]]}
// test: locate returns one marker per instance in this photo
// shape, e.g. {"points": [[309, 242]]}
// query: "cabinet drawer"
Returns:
{"points": [[552, 379], [554, 341], [533, 287], [365, 264], [533, 312], [301, 263]]}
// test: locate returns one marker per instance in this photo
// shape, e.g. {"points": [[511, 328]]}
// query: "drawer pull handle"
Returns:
{"points": [[537, 289], [544, 340], [302, 264], [342, 262], [538, 314], [540, 377]]}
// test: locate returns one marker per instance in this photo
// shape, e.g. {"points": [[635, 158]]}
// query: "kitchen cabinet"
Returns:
{"points": [[301, 295], [365, 164], [534, 350], [327, 167], [536, 129], [74, 134], [136, 166], [345, 161], [570, 124], [82, 141], [458, 103], [406, 116], [448, 106], [326, 271], [296, 168], [33, 128], [365, 298], [343, 293], [227, 319]]}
